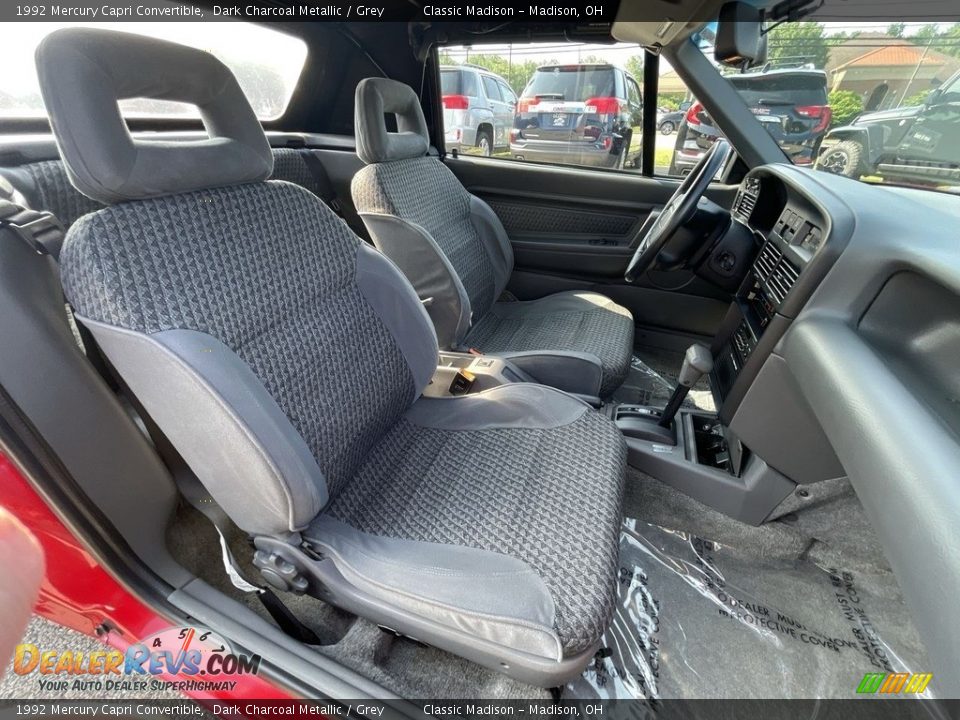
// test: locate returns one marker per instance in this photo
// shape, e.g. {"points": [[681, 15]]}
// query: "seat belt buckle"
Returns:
{"points": [[462, 382]]}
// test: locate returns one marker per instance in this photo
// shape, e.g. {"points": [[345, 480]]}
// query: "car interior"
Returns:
{"points": [[415, 424]]}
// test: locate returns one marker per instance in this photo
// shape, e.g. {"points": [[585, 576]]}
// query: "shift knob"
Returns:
{"points": [[697, 362]]}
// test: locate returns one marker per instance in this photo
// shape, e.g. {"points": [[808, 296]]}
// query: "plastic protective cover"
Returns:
{"points": [[646, 386], [700, 620]]}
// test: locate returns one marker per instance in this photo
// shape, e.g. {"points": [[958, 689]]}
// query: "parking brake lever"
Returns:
{"points": [[697, 362]]}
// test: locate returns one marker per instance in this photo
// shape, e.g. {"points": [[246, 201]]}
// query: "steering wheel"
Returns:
{"points": [[678, 211]]}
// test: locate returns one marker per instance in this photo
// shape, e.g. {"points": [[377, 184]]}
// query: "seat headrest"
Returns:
{"points": [[377, 96], [84, 73]]}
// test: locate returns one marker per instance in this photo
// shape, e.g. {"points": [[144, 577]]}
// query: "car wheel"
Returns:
{"points": [[667, 128], [485, 143], [844, 158]]}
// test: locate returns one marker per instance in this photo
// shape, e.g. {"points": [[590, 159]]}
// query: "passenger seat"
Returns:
{"points": [[487, 524], [453, 248]]}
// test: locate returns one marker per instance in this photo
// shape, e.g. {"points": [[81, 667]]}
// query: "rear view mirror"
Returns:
{"points": [[740, 41]]}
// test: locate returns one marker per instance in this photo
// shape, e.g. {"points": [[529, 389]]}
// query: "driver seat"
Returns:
{"points": [[454, 250]]}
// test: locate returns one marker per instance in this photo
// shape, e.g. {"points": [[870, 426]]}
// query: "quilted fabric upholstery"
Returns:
{"points": [[289, 165], [552, 498], [425, 192], [55, 193], [244, 264], [583, 322]]}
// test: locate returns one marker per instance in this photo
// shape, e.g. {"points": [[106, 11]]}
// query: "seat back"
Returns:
{"points": [[270, 345], [449, 243], [45, 186]]}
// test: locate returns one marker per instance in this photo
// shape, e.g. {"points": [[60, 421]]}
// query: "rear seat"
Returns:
{"points": [[45, 185]]}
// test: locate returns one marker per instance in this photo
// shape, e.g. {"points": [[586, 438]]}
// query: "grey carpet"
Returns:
{"points": [[712, 608]]}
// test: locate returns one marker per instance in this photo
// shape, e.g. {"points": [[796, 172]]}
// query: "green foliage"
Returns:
{"points": [[797, 43], [517, 73], [634, 66], [896, 29], [917, 99], [945, 41], [670, 102], [845, 105]]}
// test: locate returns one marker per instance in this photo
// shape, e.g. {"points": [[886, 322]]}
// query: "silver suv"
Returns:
{"points": [[478, 109]]}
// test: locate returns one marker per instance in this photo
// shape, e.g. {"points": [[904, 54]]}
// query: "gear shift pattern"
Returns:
{"points": [[697, 362]]}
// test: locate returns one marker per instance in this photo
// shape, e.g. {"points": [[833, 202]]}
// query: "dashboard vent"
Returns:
{"points": [[775, 273], [746, 204]]}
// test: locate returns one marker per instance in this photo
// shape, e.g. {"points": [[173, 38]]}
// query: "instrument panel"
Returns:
{"points": [[790, 231]]}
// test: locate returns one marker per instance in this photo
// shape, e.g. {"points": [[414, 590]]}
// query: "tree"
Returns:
{"points": [[516, 73], [798, 43], [896, 29], [845, 105], [634, 66]]}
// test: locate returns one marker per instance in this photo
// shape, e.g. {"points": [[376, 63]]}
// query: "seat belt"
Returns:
{"points": [[44, 233], [320, 177]]}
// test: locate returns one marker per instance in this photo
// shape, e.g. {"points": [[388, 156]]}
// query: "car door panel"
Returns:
{"points": [[574, 228]]}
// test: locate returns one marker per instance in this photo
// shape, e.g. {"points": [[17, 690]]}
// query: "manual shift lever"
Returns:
{"points": [[697, 362]]}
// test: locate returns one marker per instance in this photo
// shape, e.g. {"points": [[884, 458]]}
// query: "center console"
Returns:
{"points": [[702, 453], [464, 373]]}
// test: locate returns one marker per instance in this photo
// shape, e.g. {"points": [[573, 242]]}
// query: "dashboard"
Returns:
{"points": [[838, 357], [793, 232]]}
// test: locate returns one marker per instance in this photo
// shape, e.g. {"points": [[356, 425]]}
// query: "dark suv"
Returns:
{"points": [[585, 114], [917, 144], [791, 104]]}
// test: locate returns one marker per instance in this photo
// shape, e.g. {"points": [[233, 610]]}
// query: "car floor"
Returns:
{"points": [[709, 607], [800, 607]]}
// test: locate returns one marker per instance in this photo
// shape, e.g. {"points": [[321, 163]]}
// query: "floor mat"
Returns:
{"points": [[698, 619]]}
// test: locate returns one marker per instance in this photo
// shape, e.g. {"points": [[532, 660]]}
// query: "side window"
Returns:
{"points": [[556, 103], [490, 88], [680, 144], [469, 84], [509, 96]]}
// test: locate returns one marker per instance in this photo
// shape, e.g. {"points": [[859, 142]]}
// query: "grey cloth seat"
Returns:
{"points": [[454, 250], [284, 359]]}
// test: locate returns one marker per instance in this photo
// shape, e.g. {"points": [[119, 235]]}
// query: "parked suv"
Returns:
{"points": [[584, 114], [478, 108], [791, 104], [918, 144]]}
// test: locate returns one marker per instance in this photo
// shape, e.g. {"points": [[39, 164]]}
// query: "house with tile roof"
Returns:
{"points": [[885, 70]]}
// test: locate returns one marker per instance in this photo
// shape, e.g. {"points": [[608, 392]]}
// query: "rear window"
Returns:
{"points": [[794, 88], [455, 82], [571, 83], [450, 82], [267, 64]]}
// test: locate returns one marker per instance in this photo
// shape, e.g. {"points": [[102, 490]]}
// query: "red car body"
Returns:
{"points": [[80, 594]]}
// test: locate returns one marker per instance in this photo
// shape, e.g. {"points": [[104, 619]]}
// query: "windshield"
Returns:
{"points": [[571, 83], [876, 102]]}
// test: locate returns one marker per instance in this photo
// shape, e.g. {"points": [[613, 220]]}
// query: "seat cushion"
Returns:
{"points": [[522, 470], [573, 321]]}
